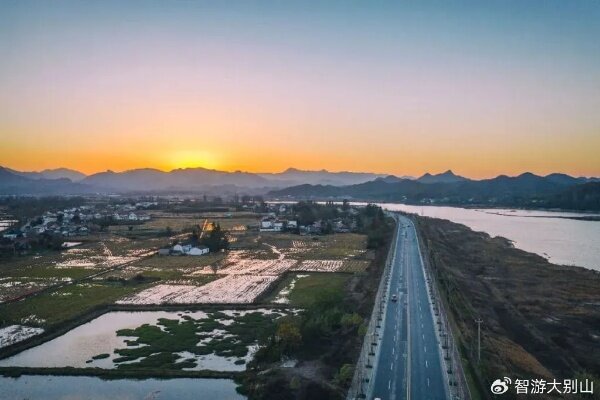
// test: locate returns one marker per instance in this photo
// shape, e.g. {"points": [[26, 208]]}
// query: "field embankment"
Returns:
{"points": [[540, 320]]}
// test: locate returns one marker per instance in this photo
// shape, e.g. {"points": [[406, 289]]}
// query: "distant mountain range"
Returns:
{"points": [[57, 173], [524, 190], [293, 176], [444, 188], [189, 180], [31, 183]]}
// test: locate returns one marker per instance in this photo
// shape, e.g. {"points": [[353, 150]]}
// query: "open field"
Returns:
{"points": [[301, 290], [247, 266], [177, 222], [336, 246], [65, 303], [331, 266], [182, 278], [540, 320], [227, 290], [122, 246], [28, 274]]}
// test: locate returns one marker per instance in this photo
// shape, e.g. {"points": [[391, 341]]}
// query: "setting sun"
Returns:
{"points": [[192, 159]]}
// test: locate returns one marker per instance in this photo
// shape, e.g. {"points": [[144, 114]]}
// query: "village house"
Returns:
{"points": [[186, 249], [198, 251]]}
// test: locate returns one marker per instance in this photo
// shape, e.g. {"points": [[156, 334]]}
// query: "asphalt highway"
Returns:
{"points": [[409, 364]]}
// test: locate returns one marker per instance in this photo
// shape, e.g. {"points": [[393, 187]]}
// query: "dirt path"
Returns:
{"points": [[280, 255]]}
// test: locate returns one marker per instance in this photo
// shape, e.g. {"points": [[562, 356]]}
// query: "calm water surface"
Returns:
{"points": [[99, 336], [561, 240], [41, 387]]}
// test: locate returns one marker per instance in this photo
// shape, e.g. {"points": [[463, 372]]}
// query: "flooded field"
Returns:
{"points": [[219, 341], [41, 387]]}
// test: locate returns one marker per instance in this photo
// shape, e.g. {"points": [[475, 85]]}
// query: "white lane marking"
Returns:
{"points": [[391, 366], [389, 384], [423, 336], [427, 381], [426, 364], [425, 347]]}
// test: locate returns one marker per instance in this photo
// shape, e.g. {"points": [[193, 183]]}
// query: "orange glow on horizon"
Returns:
{"points": [[414, 164], [260, 88]]}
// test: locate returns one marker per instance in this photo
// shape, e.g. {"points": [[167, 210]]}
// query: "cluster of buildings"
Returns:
{"points": [[280, 218], [78, 221], [130, 212], [337, 225], [184, 249], [274, 224]]}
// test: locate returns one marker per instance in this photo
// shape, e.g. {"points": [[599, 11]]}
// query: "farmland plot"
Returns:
{"points": [[354, 266], [331, 266], [283, 297], [252, 267], [96, 262], [227, 290], [320, 266], [11, 288]]}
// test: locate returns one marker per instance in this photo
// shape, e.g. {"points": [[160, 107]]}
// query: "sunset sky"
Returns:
{"points": [[483, 88]]}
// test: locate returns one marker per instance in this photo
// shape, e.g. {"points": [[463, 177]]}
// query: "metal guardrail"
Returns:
{"points": [[457, 382], [365, 369]]}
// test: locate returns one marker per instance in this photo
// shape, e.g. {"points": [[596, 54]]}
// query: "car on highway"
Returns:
{"points": [[394, 298]]}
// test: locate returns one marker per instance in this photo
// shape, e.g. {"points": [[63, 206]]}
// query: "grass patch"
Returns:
{"points": [[329, 247], [66, 303], [308, 288]]}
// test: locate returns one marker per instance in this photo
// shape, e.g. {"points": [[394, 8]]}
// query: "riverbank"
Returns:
{"points": [[117, 374], [540, 320]]}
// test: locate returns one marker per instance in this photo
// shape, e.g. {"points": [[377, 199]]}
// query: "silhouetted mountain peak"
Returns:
{"points": [[445, 177], [528, 175]]}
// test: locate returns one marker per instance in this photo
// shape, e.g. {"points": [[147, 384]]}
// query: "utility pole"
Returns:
{"points": [[478, 321]]}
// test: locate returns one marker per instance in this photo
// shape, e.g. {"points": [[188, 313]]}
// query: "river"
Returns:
{"points": [[550, 234], [43, 387]]}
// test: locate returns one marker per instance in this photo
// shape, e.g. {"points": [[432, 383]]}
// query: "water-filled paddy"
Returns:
{"points": [[220, 341]]}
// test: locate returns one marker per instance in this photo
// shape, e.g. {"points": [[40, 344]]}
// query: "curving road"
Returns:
{"points": [[409, 362]]}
